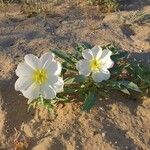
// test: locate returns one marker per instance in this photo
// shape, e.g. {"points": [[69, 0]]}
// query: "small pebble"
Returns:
{"points": [[103, 134]]}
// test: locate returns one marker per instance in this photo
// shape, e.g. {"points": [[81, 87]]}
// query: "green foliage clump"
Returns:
{"points": [[32, 7], [136, 17], [105, 5], [127, 76], [35, 7]]}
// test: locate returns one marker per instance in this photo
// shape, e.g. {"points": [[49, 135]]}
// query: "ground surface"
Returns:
{"points": [[115, 124]]}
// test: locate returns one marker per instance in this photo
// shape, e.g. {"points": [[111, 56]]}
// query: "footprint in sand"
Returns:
{"points": [[8, 42]]}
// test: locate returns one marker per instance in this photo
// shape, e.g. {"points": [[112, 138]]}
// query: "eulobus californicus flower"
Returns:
{"points": [[39, 77], [96, 63]]}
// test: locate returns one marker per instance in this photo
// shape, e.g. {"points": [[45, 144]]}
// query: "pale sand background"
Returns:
{"points": [[115, 124]]}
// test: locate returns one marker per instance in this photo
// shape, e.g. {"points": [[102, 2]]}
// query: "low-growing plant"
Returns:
{"points": [[35, 7], [32, 7], [105, 5], [3, 6], [137, 17], [126, 76], [91, 73]]}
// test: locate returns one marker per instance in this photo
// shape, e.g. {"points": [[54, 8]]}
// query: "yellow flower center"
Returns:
{"points": [[95, 65], [40, 76]]}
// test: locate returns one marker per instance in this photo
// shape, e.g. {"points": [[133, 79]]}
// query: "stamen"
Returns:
{"points": [[40, 76], [95, 65]]}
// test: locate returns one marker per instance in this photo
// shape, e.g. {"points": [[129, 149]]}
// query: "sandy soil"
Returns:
{"points": [[115, 124]]}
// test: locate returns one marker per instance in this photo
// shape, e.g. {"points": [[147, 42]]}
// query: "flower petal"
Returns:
{"points": [[32, 92], [23, 83], [23, 69], [58, 86], [107, 64], [52, 79], [83, 67], [87, 54], [46, 57], [48, 92], [56, 83], [97, 52], [100, 76], [106, 53], [106, 60], [32, 61], [53, 67]]}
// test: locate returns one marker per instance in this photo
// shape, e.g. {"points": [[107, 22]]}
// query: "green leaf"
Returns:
{"points": [[69, 80], [68, 67], [123, 86], [87, 45], [77, 79], [82, 46], [80, 79], [62, 99], [113, 47], [130, 85], [103, 94], [64, 70], [63, 56], [79, 48], [68, 90], [119, 55], [116, 70], [125, 91], [90, 101]]}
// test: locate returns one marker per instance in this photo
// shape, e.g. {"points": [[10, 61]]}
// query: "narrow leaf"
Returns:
{"points": [[63, 55], [119, 56], [125, 91], [90, 101], [130, 85], [68, 90], [80, 79], [68, 67], [69, 80]]}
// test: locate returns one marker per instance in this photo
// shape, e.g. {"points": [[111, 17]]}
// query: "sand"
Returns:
{"points": [[114, 124]]}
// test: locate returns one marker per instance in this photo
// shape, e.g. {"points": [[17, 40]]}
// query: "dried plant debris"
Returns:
{"points": [[20, 141], [105, 5], [137, 17]]}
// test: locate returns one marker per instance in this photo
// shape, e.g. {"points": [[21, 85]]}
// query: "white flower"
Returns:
{"points": [[96, 62], [39, 76]]}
